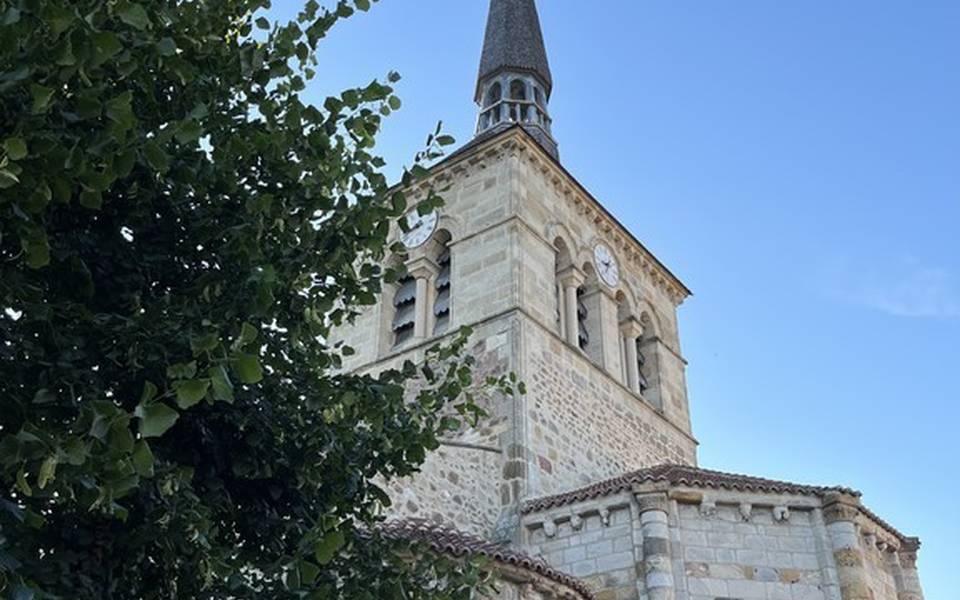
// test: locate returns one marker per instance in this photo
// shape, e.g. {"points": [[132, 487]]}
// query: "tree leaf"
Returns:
{"points": [[248, 369], [156, 419], [191, 392], [42, 96], [133, 15], [143, 459], [120, 111], [48, 471], [182, 370], [106, 45], [248, 333], [92, 199], [36, 248], [328, 547], [22, 484], [166, 47], [221, 384], [7, 179], [15, 147], [156, 157], [189, 131]]}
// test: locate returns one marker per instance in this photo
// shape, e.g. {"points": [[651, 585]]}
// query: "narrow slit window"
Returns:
{"points": [[441, 309]]}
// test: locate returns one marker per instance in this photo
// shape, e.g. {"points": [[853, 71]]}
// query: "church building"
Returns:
{"points": [[587, 486]]}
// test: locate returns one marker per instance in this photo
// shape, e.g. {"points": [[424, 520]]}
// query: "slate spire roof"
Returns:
{"points": [[514, 41]]}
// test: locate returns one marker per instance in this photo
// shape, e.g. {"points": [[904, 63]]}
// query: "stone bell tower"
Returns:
{"points": [[594, 470], [556, 290]]}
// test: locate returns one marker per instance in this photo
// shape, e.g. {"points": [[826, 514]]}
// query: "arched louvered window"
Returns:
{"points": [[582, 314], [405, 310], [441, 308]]}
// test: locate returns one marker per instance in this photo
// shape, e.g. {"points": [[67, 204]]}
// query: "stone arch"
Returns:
{"points": [[494, 94], [557, 230], [650, 319], [453, 225]]}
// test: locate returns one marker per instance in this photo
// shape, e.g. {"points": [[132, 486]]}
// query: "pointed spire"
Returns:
{"points": [[514, 83], [514, 42]]}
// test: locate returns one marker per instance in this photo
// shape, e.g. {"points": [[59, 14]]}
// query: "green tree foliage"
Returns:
{"points": [[178, 233]]}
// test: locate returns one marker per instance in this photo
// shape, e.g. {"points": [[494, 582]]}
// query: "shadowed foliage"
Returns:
{"points": [[179, 232]]}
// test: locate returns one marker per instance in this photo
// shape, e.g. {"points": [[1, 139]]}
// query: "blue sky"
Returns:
{"points": [[797, 164]]}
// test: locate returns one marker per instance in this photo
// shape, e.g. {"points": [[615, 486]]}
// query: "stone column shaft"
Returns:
{"points": [[657, 559], [571, 280], [424, 271], [630, 331], [840, 513], [907, 578]]}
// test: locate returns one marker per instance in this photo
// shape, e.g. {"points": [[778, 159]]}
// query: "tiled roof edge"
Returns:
{"points": [[677, 475], [446, 540]]}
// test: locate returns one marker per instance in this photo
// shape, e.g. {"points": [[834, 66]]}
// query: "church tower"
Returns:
{"points": [[556, 290], [594, 471]]}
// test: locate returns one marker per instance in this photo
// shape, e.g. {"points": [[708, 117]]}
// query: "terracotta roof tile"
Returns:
{"points": [[677, 475], [446, 540]]}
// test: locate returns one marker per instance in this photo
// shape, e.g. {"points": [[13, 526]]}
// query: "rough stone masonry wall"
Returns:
{"points": [[583, 425], [460, 484]]}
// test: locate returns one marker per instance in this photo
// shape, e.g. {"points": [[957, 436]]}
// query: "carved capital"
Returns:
{"points": [[422, 268], [840, 507], [572, 277], [631, 328], [652, 502], [908, 553]]}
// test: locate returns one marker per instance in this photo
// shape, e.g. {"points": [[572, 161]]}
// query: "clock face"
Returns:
{"points": [[419, 228], [606, 264]]}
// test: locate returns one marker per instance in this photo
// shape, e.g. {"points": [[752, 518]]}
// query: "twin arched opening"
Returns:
{"points": [[422, 298], [580, 320]]}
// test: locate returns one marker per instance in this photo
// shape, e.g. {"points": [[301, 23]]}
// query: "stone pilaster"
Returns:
{"points": [[840, 512], [657, 560]]}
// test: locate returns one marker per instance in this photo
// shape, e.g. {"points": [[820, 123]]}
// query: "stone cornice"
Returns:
{"points": [[515, 142]]}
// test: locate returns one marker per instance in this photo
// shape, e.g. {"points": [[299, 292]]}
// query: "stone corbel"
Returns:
{"points": [[605, 516], [781, 514], [576, 522], [708, 507], [746, 511], [550, 528]]}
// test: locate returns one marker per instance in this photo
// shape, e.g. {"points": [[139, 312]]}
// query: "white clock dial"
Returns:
{"points": [[419, 228], [606, 264]]}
